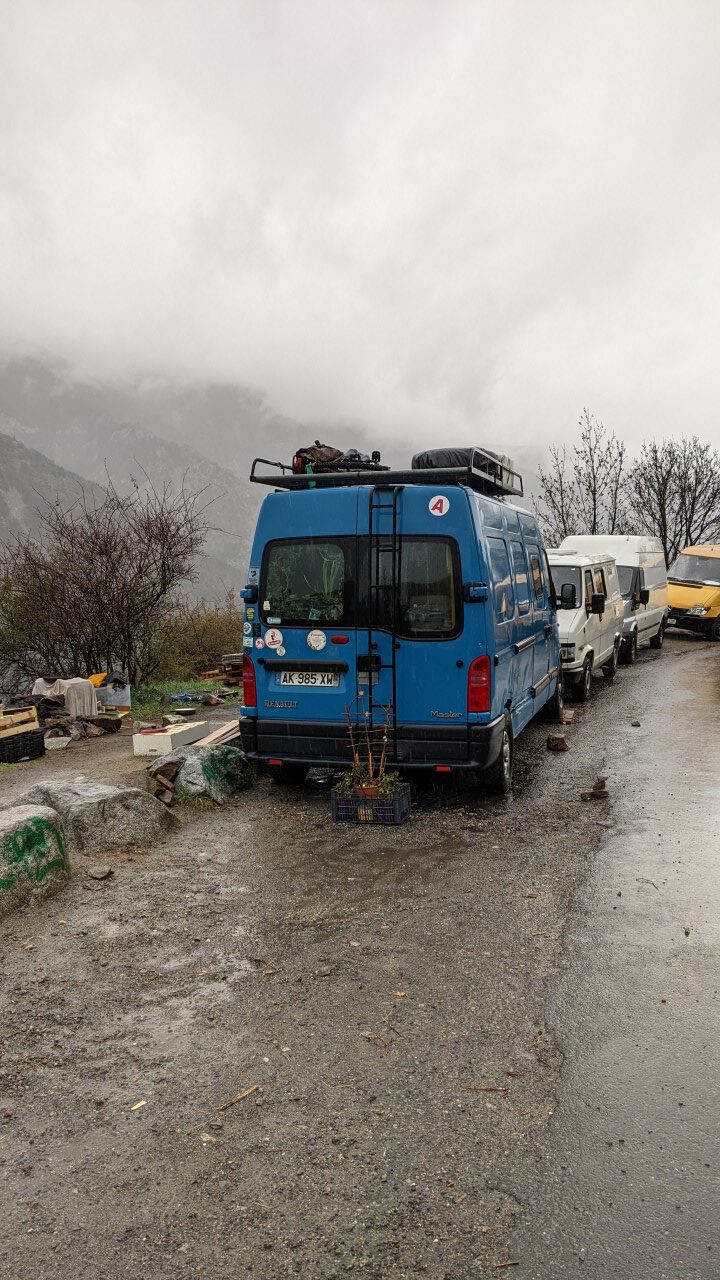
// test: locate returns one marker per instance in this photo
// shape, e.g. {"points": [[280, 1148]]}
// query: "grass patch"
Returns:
{"points": [[5, 767], [147, 699], [194, 801]]}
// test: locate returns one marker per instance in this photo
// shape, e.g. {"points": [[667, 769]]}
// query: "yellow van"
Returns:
{"points": [[694, 590]]}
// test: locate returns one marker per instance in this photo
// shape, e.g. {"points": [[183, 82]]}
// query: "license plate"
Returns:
{"points": [[313, 679]]}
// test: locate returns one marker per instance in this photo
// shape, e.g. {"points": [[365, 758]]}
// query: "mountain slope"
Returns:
{"points": [[27, 477]]}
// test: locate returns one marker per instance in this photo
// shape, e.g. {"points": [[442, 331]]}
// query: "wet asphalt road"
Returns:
{"points": [[631, 1169], [404, 999]]}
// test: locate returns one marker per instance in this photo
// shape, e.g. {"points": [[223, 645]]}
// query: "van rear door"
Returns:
{"points": [[411, 594]]}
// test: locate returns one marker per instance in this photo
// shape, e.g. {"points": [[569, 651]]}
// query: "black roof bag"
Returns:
{"points": [[432, 459]]}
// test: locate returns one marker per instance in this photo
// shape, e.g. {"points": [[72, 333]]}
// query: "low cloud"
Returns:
{"points": [[443, 219]]}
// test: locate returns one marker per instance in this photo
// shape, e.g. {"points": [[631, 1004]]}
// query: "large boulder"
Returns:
{"points": [[99, 817], [33, 854], [217, 772]]}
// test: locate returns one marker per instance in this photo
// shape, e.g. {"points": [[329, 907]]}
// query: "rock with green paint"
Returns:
{"points": [[33, 854], [218, 772], [98, 817]]}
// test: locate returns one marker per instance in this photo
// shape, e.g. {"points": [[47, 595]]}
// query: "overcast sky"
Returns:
{"points": [[464, 220]]}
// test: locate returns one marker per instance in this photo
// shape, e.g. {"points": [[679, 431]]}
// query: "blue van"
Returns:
{"points": [[424, 591]]}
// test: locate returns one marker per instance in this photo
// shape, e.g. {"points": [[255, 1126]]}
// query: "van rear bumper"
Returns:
{"points": [[313, 742]]}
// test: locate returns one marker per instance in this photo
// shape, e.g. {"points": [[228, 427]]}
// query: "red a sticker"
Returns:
{"points": [[439, 505]]}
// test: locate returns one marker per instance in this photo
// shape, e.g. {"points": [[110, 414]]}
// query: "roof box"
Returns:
{"points": [[495, 467]]}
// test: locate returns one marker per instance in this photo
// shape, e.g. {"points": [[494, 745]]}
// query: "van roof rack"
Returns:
{"points": [[484, 475]]}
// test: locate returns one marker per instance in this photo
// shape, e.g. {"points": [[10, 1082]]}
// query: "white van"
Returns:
{"points": [[643, 584], [590, 617]]}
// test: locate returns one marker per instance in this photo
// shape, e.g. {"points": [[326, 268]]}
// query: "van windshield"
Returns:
{"points": [[566, 573], [704, 570]]}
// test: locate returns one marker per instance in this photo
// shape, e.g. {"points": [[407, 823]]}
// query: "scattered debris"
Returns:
{"points": [[567, 717], [635, 724], [498, 1266], [644, 880], [557, 742], [137, 1105], [686, 931], [599, 791], [254, 1088]]}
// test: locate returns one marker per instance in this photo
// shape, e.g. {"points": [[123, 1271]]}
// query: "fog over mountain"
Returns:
{"points": [[438, 220]]}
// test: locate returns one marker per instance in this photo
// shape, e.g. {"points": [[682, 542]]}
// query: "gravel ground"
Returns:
{"points": [[386, 990]]}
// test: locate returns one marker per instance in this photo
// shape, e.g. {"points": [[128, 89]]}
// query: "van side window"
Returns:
{"points": [[600, 582], [588, 588], [536, 574], [521, 577], [502, 584]]}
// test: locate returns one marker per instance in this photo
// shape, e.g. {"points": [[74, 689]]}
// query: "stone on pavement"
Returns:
{"points": [[97, 816], [33, 854]]}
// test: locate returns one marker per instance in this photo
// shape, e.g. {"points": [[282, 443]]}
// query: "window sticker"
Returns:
{"points": [[317, 640], [439, 505], [273, 638]]}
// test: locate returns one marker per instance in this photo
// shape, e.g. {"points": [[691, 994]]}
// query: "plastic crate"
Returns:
{"points": [[388, 811], [22, 746]]}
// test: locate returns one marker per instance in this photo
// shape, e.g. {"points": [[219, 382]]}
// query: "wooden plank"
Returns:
{"points": [[218, 735], [19, 728], [8, 718]]}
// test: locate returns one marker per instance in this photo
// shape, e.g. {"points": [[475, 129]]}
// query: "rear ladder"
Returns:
{"points": [[383, 543]]}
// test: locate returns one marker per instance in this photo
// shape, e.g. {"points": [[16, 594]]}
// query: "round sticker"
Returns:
{"points": [[280, 652], [273, 638], [317, 639], [247, 628], [259, 643], [439, 505]]}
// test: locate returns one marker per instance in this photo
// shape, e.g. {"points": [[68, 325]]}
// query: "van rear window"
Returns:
{"points": [[309, 580]]}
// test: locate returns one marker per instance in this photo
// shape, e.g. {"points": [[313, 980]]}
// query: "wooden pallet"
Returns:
{"points": [[12, 722]]}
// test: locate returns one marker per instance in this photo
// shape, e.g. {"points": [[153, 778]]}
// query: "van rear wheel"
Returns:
{"points": [[498, 778], [289, 775], [556, 704]]}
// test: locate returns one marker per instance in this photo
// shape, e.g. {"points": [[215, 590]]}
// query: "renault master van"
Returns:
{"points": [[590, 617], [694, 590], [642, 575], [423, 596]]}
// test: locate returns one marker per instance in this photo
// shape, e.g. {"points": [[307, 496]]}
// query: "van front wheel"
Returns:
{"points": [[582, 688], [498, 778], [656, 641]]}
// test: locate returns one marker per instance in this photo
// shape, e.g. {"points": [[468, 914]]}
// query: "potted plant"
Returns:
{"points": [[368, 792]]}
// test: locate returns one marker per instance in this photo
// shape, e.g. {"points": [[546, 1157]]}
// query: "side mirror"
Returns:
{"points": [[249, 594], [644, 595], [568, 596], [474, 592], [597, 603]]}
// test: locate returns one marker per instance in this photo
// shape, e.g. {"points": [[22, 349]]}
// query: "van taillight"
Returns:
{"points": [[478, 696], [249, 687]]}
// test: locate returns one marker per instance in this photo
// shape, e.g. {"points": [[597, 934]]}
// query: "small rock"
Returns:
{"points": [[100, 873], [557, 742], [635, 724], [686, 931]]}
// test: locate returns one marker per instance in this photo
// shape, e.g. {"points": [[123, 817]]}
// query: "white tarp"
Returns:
{"points": [[79, 694]]}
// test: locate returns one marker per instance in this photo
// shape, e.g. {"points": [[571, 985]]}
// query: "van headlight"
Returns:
{"points": [[698, 611]]}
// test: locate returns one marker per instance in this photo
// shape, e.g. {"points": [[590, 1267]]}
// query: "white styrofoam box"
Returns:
{"points": [[161, 744]]}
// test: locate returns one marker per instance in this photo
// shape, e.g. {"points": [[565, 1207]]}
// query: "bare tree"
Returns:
{"points": [[584, 488], [674, 493], [99, 585]]}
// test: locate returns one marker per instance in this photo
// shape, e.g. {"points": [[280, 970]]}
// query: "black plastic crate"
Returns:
{"points": [[388, 811], [22, 746]]}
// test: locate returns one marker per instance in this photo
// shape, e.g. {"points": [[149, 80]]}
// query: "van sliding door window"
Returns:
{"points": [[522, 590], [502, 582], [306, 581]]}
